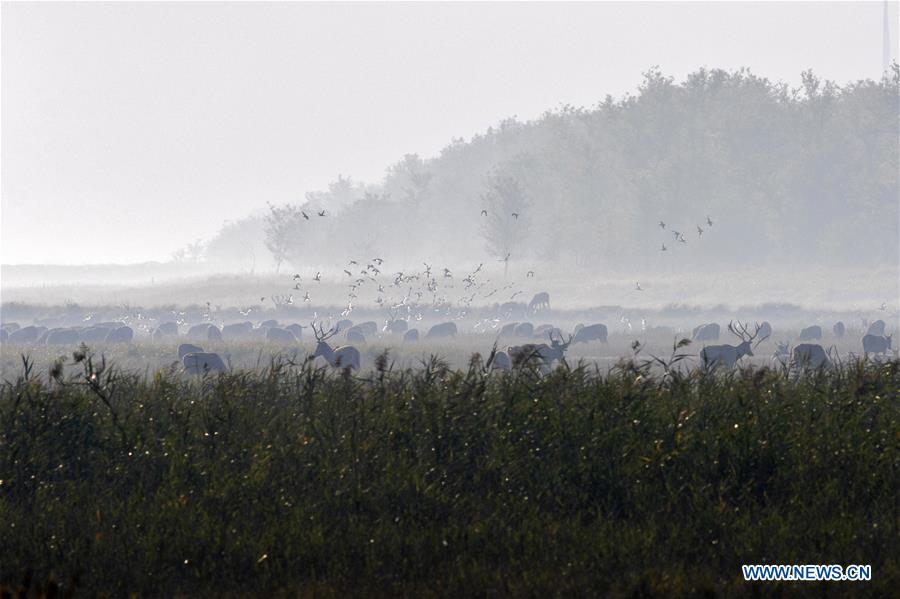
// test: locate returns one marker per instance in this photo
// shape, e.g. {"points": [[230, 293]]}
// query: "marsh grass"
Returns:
{"points": [[432, 481]]}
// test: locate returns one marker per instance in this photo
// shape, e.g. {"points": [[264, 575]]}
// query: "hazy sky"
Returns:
{"points": [[130, 129]]}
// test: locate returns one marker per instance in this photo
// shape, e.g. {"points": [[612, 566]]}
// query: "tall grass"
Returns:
{"points": [[433, 481]]}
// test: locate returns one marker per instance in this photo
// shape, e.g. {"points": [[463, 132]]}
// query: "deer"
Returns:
{"points": [[728, 355], [876, 344], [545, 354], [345, 356], [810, 356], [540, 301]]}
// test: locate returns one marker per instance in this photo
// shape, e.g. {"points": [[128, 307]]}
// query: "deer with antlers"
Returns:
{"points": [[728, 355], [345, 356], [541, 353]]}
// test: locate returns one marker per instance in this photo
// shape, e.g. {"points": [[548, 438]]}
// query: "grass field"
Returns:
{"points": [[439, 481]]}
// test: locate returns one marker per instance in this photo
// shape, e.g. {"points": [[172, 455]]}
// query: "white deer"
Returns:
{"points": [[345, 356], [728, 355]]}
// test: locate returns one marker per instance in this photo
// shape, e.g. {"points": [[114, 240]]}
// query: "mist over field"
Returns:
{"points": [[448, 299]]}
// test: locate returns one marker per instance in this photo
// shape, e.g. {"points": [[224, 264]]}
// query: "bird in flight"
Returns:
{"points": [[708, 220], [699, 231], [677, 234], [321, 213], [262, 299], [305, 215], [662, 225], [349, 274], [484, 213], [296, 277], [638, 287], [530, 274], [515, 215], [318, 277], [663, 248], [297, 287], [377, 261], [306, 297]]}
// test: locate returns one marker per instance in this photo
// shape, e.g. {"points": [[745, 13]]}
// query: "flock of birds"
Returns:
{"points": [[679, 238]]}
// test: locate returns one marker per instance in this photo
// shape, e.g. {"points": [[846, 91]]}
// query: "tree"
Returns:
{"points": [[281, 229], [506, 224]]}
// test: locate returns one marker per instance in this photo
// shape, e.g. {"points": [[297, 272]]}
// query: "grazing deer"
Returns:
{"points": [[706, 332], [501, 361], [727, 355], [395, 325], [811, 333], [442, 330], [592, 332], [523, 329], [810, 355], [508, 329], [540, 353], [540, 301], [345, 356], [201, 363], [838, 329], [876, 344], [876, 328]]}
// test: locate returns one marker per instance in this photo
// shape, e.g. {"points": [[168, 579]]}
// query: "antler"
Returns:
{"points": [[741, 331], [320, 333], [559, 343]]}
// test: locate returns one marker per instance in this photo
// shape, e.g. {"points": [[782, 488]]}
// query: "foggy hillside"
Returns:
{"points": [[789, 177]]}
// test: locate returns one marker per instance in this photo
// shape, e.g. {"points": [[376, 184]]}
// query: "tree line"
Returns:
{"points": [[790, 177]]}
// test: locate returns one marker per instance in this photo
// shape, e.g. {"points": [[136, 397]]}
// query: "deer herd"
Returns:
{"points": [[542, 347], [543, 356]]}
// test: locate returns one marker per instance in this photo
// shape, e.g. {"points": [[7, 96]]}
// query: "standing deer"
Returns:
{"points": [[727, 355], [345, 356], [542, 353], [540, 301]]}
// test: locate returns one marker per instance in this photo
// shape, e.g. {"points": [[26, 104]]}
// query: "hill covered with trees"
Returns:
{"points": [[789, 177]]}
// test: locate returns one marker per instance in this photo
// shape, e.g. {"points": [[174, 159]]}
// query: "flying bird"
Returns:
{"points": [[306, 297], [305, 215], [484, 213], [321, 213], [349, 274], [318, 277], [515, 215], [296, 277], [708, 220], [377, 261], [677, 234], [297, 287], [663, 248], [262, 299], [530, 274], [638, 287], [662, 225], [699, 231]]}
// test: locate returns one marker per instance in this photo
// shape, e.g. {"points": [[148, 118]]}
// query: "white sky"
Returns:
{"points": [[130, 129]]}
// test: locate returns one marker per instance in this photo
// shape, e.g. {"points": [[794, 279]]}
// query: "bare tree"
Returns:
{"points": [[281, 231], [506, 224]]}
